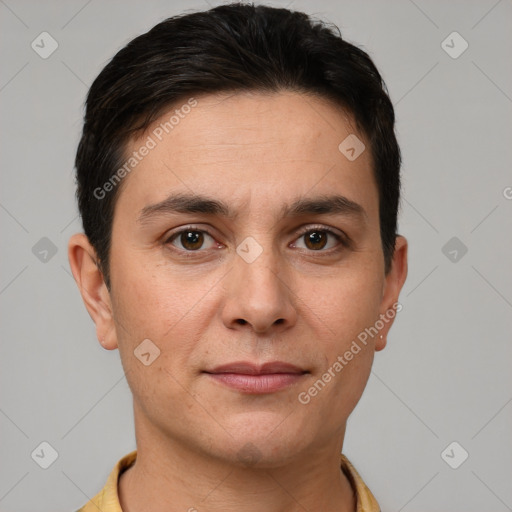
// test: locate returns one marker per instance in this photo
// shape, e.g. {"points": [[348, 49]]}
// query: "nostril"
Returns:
{"points": [[241, 321]]}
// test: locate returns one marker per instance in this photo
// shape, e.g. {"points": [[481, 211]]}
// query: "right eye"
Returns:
{"points": [[190, 239]]}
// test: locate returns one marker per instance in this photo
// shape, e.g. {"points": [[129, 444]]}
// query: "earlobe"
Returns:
{"points": [[380, 343], [394, 282], [89, 278]]}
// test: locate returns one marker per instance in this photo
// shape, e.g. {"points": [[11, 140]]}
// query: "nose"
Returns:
{"points": [[258, 296]]}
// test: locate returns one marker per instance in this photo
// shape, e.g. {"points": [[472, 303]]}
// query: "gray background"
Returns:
{"points": [[445, 374]]}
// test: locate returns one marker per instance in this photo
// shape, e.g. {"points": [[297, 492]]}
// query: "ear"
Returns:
{"points": [[391, 290], [96, 297]]}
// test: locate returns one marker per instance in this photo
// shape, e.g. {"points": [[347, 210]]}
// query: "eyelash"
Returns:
{"points": [[344, 242]]}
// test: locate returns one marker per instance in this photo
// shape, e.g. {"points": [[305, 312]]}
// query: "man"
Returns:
{"points": [[238, 181]]}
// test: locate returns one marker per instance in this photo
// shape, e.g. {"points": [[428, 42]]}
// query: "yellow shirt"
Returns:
{"points": [[107, 500]]}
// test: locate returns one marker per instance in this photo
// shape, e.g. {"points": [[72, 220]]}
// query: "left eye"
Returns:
{"points": [[317, 239]]}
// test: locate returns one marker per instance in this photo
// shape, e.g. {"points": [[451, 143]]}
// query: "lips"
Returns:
{"points": [[247, 368], [250, 378]]}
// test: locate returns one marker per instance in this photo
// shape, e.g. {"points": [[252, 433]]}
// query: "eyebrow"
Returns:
{"points": [[194, 203]]}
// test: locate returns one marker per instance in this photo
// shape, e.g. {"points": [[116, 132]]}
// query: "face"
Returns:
{"points": [[246, 236]]}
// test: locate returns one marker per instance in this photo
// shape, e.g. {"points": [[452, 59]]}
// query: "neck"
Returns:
{"points": [[169, 476]]}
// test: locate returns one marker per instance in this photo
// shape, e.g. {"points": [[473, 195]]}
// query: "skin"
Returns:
{"points": [[299, 303]]}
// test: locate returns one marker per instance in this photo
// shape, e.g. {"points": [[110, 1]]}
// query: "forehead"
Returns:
{"points": [[266, 124], [267, 145]]}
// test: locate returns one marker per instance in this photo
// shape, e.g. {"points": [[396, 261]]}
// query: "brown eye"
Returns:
{"points": [[320, 240], [315, 240], [191, 240]]}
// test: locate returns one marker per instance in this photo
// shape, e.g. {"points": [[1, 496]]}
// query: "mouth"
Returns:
{"points": [[252, 378]]}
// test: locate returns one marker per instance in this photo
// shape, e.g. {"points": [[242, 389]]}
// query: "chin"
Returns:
{"points": [[264, 440]]}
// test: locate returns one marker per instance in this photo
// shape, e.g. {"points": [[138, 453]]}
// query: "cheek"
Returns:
{"points": [[345, 304], [157, 333], [171, 311], [349, 385], [151, 299]]}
